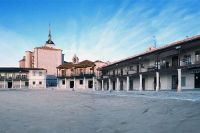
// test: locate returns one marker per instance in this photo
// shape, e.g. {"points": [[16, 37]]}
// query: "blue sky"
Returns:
{"points": [[107, 30]]}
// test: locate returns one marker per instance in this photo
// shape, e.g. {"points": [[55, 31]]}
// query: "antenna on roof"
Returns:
{"points": [[155, 41]]}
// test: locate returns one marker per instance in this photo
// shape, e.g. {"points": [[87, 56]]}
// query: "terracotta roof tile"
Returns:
{"points": [[82, 64]]}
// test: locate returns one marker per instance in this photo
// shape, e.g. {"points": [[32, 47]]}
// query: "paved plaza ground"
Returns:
{"points": [[56, 111]]}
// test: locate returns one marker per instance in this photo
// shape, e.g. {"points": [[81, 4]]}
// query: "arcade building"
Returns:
{"points": [[175, 66]]}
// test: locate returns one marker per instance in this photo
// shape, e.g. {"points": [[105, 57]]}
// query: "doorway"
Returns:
{"points": [[90, 84], [113, 85], [197, 80], [143, 84], [175, 61], [131, 84], [154, 83], [121, 85], [9, 84], [174, 82], [71, 84], [26, 84]]}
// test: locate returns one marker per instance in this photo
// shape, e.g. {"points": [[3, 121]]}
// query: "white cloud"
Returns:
{"points": [[128, 31]]}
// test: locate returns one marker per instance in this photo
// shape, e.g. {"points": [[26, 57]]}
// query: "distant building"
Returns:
{"points": [[79, 75], [47, 57], [12, 77], [175, 66]]}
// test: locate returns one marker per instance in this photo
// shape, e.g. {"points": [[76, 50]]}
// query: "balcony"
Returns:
{"points": [[77, 75], [2, 78]]}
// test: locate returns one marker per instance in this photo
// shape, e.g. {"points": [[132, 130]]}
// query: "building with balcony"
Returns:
{"points": [[47, 57], [175, 66], [79, 75], [12, 77]]}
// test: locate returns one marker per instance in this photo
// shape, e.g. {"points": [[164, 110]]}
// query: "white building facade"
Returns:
{"points": [[79, 75], [172, 67], [11, 77]]}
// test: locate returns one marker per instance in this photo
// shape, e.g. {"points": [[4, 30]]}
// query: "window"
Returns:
{"points": [[40, 73], [34, 73], [142, 65], [18, 76], [131, 68], [24, 76], [40, 82], [197, 56], [81, 71], [33, 82], [63, 72], [121, 71], [187, 59], [183, 81], [63, 82], [113, 72], [81, 82]]}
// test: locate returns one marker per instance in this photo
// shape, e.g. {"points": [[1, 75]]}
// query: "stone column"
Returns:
{"points": [[4, 83], [127, 83], [140, 87], [57, 83], [109, 84], [118, 87], [65, 82], [179, 81], [102, 86], [93, 87], [20, 83], [157, 81], [84, 82], [74, 83]]}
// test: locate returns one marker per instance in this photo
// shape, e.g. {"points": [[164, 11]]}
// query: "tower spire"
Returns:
{"points": [[49, 36], [49, 41]]}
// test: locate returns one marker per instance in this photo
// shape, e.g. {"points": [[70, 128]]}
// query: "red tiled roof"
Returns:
{"points": [[82, 64]]}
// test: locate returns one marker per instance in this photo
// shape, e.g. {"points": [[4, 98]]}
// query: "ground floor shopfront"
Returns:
{"points": [[173, 79], [14, 84], [78, 83]]}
